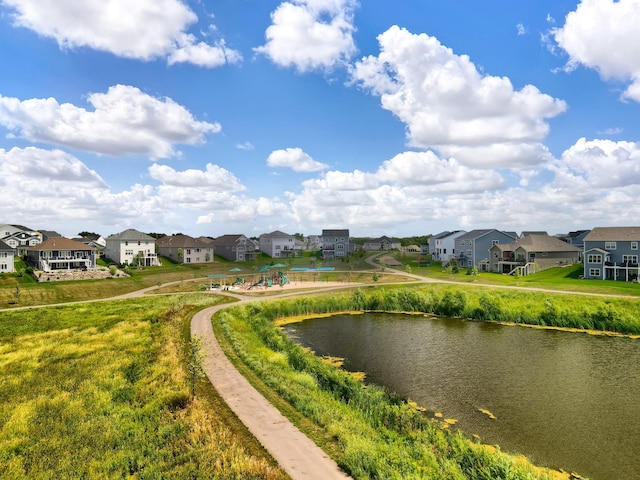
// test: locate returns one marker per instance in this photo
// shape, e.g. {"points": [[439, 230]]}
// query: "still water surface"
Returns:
{"points": [[568, 400]]}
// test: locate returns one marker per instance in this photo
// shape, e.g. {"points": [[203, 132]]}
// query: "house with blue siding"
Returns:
{"points": [[611, 253], [472, 248]]}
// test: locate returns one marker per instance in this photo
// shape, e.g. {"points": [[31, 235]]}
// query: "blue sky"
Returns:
{"points": [[387, 118]]}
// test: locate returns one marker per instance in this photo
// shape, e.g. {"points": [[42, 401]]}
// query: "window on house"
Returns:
{"points": [[4, 266], [609, 245], [462, 243], [468, 253], [594, 258], [594, 272], [126, 242], [188, 251], [634, 245], [444, 250], [494, 242], [630, 259]]}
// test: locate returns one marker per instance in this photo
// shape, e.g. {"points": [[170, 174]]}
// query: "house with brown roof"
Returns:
{"points": [[611, 253], [185, 249], [532, 252], [236, 248], [61, 254]]}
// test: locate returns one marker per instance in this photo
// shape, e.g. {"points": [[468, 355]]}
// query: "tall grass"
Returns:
{"points": [[102, 391], [379, 434]]}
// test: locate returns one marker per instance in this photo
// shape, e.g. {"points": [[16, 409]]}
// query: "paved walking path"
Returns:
{"points": [[292, 449]]}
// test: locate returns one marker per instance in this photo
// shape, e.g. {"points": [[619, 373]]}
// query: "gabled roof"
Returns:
{"points": [[60, 243], [4, 246], [276, 234], [473, 234], [224, 240], [336, 233], [612, 234], [131, 234], [539, 243], [440, 235], [181, 241], [50, 234]]}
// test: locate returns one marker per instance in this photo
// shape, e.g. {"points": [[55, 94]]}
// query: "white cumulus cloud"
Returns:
{"points": [[124, 121], [604, 35], [296, 159], [143, 29], [212, 177], [311, 34], [447, 104]]}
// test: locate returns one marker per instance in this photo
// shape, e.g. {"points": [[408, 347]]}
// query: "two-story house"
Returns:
{"points": [[236, 248], [532, 253], [185, 249], [61, 254], [278, 244], [19, 237], [131, 247], [442, 246], [472, 248], [335, 244], [7, 255], [611, 253]]}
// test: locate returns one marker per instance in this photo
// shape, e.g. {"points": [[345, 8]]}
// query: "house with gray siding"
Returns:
{"points": [[472, 248], [611, 253], [235, 247], [335, 243]]}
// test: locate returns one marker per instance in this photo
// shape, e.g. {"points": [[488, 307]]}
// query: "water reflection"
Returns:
{"points": [[563, 399]]}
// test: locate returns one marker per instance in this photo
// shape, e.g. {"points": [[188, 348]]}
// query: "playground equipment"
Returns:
{"points": [[283, 280]]}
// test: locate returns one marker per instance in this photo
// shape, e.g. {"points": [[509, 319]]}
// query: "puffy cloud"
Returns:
{"points": [[144, 29], [440, 175], [213, 177], [601, 163], [448, 105], [296, 159], [310, 34], [124, 121], [604, 35]]}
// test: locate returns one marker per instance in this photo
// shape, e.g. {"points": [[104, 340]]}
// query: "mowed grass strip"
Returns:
{"points": [[101, 391]]}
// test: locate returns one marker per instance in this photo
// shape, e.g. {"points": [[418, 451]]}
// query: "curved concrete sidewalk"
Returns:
{"points": [[292, 449]]}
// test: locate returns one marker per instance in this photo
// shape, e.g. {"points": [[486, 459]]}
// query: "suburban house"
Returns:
{"points": [[442, 246], [47, 234], [531, 253], [382, 243], [611, 253], [7, 256], [278, 244], [314, 242], [19, 237], [575, 238], [185, 249], [132, 247], [61, 254], [236, 248], [472, 248], [335, 243]]}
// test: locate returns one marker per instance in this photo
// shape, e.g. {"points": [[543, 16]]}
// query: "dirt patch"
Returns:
{"points": [[389, 261]]}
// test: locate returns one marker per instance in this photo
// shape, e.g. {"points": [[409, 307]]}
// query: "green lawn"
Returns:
{"points": [[93, 391]]}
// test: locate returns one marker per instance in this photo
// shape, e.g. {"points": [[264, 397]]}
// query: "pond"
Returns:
{"points": [[565, 400]]}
